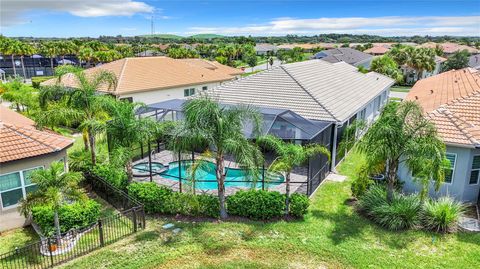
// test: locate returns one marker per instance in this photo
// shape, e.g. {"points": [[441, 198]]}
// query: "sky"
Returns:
{"points": [[82, 18]]}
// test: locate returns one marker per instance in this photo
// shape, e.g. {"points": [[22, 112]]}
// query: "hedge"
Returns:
{"points": [[37, 80], [254, 204], [71, 216]]}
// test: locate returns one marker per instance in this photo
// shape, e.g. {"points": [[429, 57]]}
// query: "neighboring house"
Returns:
{"points": [[411, 74], [316, 90], [149, 53], [451, 100], [348, 55], [450, 48], [23, 149], [304, 47], [154, 79], [377, 50], [474, 61], [265, 49]]}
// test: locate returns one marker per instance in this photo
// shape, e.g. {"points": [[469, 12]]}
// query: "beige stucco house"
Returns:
{"points": [[23, 149], [154, 79]]}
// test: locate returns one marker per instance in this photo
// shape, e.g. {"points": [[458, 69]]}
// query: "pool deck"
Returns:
{"points": [[165, 157]]}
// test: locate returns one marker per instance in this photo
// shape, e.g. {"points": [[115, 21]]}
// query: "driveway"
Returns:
{"points": [[261, 67]]}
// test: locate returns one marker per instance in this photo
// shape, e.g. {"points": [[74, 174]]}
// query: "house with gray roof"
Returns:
{"points": [[265, 49], [316, 90], [474, 61], [347, 55]]}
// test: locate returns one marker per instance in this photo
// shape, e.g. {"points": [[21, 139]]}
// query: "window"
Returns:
{"points": [[377, 103], [188, 92], [204, 88], [449, 171], [14, 186], [475, 173], [62, 161], [363, 114]]}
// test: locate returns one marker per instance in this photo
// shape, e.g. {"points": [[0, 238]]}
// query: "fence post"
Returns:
{"points": [[309, 178], [144, 223], [141, 150], [150, 161], [263, 176], [49, 242], [100, 232], [180, 171], [134, 219]]}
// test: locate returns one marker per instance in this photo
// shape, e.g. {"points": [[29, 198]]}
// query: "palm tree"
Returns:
{"points": [[125, 129], [55, 188], [288, 156], [220, 129], [25, 49], [83, 101], [86, 54], [49, 49], [421, 59], [14, 47], [66, 48], [403, 135]]}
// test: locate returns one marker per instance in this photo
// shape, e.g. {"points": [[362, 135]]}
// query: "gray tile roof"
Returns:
{"points": [[348, 55], [474, 61], [314, 89]]}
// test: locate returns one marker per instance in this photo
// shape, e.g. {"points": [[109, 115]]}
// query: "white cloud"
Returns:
{"points": [[13, 11], [396, 25]]}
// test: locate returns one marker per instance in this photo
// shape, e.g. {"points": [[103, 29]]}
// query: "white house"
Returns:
{"points": [[154, 79], [411, 75]]}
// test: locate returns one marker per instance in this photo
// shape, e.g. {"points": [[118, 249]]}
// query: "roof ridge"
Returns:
{"points": [[309, 93], [121, 73], [15, 128]]}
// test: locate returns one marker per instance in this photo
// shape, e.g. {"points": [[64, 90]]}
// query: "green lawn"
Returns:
{"points": [[400, 88], [332, 235], [9, 240]]}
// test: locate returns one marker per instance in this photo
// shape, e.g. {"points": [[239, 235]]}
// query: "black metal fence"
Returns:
{"points": [[52, 251]]}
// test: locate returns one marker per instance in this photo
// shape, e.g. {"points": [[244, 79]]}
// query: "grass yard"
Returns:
{"points": [[11, 239], [331, 236], [400, 88]]}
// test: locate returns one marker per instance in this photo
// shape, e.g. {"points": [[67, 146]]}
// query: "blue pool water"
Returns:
{"points": [[142, 169], [234, 177]]}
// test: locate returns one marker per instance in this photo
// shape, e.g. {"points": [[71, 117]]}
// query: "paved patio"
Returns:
{"points": [[165, 157]]}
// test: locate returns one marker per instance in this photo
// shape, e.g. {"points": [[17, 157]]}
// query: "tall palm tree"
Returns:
{"points": [[55, 188], [14, 47], [221, 129], [83, 101], [25, 49], [49, 49], [403, 135], [421, 59], [288, 156], [86, 55]]}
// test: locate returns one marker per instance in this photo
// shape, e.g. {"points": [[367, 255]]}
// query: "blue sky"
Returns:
{"points": [[75, 18]]}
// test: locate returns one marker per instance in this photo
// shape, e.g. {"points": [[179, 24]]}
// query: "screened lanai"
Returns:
{"points": [[282, 123]]}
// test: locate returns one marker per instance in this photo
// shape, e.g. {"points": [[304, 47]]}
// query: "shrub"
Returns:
{"points": [[71, 216], [112, 174], [155, 198], [299, 205], [373, 198], [194, 205], [441, 215], [402, 213], [37, 80], [256, 204], [360, 185]]}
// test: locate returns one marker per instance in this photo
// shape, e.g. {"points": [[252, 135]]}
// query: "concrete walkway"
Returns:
{"points": [[469, 224], [400, 95]]}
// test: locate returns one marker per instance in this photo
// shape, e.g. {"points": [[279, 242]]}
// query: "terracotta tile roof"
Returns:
{"points": [[152, 73], [12, 117], [19, 139], [452, 101], [449, 47], [214, 65], [377, 50]]}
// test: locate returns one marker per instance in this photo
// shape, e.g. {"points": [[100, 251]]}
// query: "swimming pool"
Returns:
{"points": [[234, 177], [143, 169]]}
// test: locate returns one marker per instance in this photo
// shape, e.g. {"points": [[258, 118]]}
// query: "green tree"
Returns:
{"points": [[83, 104], [403, 135], [288, 156], [55, 188], [252, 61], [209, 124], [387, 66], [457, 61], [86, 54], [25, 50], [20, 94], [421, 59], [50, 50]]}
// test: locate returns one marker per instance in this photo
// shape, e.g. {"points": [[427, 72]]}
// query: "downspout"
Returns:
{"points": [[334, 148]]}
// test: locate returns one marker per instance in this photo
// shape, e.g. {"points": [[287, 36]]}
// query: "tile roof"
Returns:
{"points": [[151, 73], [19, 139], [213, 65], [265, 47], [452, 101], [348, 55], [449, 47], [377, 50], [314, 89], [10, 116]]}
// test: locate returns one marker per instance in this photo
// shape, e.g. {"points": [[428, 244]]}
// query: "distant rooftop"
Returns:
{"points": [[348, 55]]}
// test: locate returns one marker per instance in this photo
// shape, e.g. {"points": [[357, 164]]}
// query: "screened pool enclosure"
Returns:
{"points": [[282, 123]]}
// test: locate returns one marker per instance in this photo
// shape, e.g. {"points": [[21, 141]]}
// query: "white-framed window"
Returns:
{"points": [[188, 92], [377, 103], [475, 172], [363, 114], [450, 171], [16, 185], [204, 88]]}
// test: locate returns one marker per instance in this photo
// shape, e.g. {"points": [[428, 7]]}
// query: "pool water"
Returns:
{"points": [[142, 169], [234, 177]]}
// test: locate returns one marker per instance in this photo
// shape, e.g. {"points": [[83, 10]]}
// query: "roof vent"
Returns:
{"points": [[416, 97], [431, 91]]}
